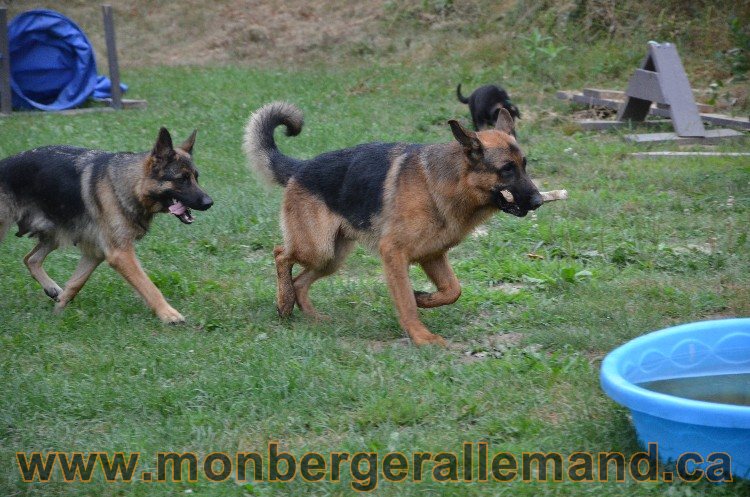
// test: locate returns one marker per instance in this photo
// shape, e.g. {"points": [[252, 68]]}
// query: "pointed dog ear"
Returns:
{"points": [[163, 147], [468, 140], [187, 145], [505, 121]]}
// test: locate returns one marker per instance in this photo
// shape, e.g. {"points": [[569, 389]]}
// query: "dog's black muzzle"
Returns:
{"points": [[196, 199], [202, 203], [180, 204], [522, 202]]}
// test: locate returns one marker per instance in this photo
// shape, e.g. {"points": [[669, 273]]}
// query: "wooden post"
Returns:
{"points": [[114, 69], [676, 87], [5, 98], [662, 79]]}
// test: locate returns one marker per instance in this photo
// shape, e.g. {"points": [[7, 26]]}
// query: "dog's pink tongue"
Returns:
{"points": [[177, 209]]}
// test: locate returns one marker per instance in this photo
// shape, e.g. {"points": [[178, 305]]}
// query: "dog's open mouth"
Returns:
{"points": [[181, 212]]}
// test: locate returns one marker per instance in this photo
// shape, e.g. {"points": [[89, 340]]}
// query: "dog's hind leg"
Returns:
{"points": [[441, 274], [34, 260], [86, 266], [302, 284], [310, 275], [285, 296], [312, 239]]}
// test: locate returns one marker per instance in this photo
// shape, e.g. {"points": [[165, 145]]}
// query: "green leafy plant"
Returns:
{"points": [[542, 54]]}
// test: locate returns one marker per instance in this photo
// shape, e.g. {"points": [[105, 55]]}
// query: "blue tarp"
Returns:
{"points": [[52, 63]]}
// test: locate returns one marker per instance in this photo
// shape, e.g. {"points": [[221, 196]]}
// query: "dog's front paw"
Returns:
{"points": [[285, 306], [59, 308], [53, 292], [428, 339], [170, 316]]}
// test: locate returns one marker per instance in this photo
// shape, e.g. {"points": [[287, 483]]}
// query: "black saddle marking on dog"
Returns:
{"points": [[46, 177], [350, 181]]}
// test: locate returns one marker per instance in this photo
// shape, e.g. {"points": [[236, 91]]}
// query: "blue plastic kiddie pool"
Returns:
{"points": [[705, 353]]}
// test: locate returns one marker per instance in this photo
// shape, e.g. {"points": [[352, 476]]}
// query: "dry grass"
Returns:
{"points": [[193, 32], [299, 32]]}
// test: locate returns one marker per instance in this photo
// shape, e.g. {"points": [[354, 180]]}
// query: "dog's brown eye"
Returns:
{"points": [[507, 171]]}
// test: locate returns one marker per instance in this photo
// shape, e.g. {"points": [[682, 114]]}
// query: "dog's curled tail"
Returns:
{"points": [[461, 98], [259, 146]]}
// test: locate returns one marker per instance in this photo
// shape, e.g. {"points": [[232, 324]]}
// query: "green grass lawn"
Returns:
{"points": [[640, 245]]}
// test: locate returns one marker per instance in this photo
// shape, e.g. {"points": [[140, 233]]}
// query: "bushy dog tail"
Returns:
{"points": [[259, 146], [461, 98]]}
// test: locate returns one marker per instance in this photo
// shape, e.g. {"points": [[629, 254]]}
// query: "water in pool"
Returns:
{"points": [[723, 389]]}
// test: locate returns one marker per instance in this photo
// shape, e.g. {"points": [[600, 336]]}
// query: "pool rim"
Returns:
{"points": [[667, 406]]}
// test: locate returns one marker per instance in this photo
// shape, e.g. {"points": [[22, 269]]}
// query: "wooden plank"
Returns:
{"points": [[599, 102], [67, 112], [5, 95], [127, 103], [599, 125], [620, 96], [645, 86], [701, 107], [676, 89], [658, 155], [599, 93], [712, 136], [722, 120], [636, 109], [114, 68]]}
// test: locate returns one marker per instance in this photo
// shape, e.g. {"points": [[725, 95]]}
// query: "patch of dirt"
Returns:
{"points": [[492, 346], [509, 288], [381, 345], [292, 30]]}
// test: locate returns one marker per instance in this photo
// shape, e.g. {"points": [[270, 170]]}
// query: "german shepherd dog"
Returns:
{"points": [[485, 104], [408, 202], [102, 202]]}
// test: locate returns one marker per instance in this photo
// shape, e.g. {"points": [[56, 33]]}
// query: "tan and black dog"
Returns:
{"points": [[410, 203], [102, 202]]}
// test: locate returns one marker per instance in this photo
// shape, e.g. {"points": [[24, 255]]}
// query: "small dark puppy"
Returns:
{"points": [[101, 202], [485, 104]]}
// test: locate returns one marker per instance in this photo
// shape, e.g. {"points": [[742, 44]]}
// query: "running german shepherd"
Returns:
{"points": [[411, 203], [102, 202]]}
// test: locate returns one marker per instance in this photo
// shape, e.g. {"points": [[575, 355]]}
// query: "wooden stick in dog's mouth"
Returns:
{"points": [[549, 196]]}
